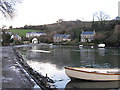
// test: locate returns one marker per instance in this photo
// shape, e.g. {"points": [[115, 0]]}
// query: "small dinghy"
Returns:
{"points": [[80, 45], [94, 74], [101, 45]]}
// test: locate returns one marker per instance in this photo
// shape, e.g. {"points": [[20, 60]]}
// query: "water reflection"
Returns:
{"points": [[89, 84], [53, 63], [58, 75]]}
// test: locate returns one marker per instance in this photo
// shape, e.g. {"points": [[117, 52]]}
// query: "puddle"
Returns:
{"points": [[15, 69], [6, 79]]}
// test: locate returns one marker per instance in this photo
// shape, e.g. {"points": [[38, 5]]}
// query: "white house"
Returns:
{"points": [[16, 37], [33, 34]]}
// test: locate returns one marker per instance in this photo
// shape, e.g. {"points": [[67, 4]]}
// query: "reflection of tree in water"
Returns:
{"points": [[61, 56], [106, 59]]}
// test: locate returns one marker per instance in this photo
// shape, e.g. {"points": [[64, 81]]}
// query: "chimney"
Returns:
{"points": [[82, 30]]}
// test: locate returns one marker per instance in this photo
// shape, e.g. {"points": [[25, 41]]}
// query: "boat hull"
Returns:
{"points": [[72, 73]]}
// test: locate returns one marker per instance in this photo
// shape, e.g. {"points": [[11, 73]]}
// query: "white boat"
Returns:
{"points": [[101, 45], [51, 44], [80, 45], [94, 74], [92, 46]]}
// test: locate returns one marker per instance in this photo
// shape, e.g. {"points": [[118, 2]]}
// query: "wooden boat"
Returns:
{"points": [[94, 74]]}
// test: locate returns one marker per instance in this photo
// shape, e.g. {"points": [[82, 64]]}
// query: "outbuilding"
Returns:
{"points": [[34, 40]]}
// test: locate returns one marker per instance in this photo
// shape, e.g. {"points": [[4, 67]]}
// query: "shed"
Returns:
{"points": [[34, 40]]}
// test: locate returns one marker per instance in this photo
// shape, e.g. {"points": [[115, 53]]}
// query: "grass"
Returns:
{"points": [[22, 32]]}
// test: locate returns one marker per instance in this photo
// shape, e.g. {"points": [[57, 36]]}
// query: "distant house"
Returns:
{"points": [[61, 37], [87, 36], [16, 37], [33, 34], [8, 32]]}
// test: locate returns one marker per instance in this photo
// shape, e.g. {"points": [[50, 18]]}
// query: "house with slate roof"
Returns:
{"points": [[33, 34], [61, 37], [16, 37], [87, 36]]}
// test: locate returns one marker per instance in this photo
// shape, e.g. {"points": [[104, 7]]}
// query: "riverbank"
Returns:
{"points": [[43, 81], [13, 75], [16, 73]]}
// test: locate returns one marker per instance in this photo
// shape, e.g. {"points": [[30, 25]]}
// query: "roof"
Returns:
{"points": [[17, 35], [62, 35], [35, 32], [88, 33], [58, 35]]}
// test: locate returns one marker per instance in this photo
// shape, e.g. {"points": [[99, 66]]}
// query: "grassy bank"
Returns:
{"points": [[22, 32]]}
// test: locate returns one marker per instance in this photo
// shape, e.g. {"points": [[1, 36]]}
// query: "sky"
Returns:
{"points": [[40, 12]]}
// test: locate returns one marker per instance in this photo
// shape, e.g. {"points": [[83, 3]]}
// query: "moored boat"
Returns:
{"points": [[94, 74], [80, 45], [101, 45]]}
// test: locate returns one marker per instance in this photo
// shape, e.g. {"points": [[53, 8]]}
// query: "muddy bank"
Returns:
{"points": [[43, 81], [13, 75]]}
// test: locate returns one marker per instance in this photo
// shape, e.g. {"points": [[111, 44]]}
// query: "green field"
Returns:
{"points": [[22, 32]]}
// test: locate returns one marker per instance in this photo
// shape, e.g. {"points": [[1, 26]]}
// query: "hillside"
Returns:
{"points": [[69, 25], [105, 30]]}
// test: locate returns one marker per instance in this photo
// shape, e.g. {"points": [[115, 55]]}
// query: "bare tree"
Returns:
{"points": [[101, 16], [7, 7]]}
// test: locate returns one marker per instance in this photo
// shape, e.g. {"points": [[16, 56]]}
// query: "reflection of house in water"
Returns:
{"points": [[87, 57], [61, 56], [34, 48], [33, 52], [101, 51]]}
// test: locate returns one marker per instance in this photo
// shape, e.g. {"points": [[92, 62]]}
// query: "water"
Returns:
{"points": [[51, 60]]}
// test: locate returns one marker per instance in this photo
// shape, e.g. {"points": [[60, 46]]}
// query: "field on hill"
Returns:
{"points": [[22, 32]]}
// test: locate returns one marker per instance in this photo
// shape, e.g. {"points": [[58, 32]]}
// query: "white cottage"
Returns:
{"points": [[33, 34]]}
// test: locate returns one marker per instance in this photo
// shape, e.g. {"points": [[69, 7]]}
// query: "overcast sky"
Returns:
{"points": [[38, 12]]}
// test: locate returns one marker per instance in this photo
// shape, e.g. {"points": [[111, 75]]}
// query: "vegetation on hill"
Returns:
{"points": [[107, 32]]}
